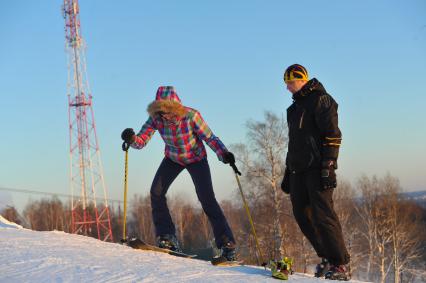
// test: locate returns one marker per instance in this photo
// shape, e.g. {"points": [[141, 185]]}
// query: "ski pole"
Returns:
{"points": [[249, 215], [125, 148]]}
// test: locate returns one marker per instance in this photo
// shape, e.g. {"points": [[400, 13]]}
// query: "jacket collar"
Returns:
{"points": [[311, 86]]}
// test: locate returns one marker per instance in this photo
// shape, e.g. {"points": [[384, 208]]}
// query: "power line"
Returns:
{"points": [[51, 194]]}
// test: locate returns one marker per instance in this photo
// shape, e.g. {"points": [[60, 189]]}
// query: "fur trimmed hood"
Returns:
{"points": [[166, 100]]}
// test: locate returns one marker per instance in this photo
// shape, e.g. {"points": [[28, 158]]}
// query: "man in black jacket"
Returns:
{"points": [[313, 148]]}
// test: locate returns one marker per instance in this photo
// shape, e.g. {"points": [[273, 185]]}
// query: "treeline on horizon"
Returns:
{"points": [[384, 232]]}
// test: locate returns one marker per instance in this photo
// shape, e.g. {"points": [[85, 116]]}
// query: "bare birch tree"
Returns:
{"points": [[263, 162], [140, 223]]}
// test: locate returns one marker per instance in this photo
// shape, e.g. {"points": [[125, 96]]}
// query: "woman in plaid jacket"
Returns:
{"points": [[183, 131]]}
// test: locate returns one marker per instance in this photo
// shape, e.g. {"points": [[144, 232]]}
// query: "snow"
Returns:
{"points": [[31, 256], [4, 223]]}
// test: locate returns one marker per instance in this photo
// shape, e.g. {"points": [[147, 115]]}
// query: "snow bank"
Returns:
{"points": [[4, 223], [30, 256]]}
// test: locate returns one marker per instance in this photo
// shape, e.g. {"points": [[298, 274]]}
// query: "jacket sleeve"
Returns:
{"points": [[327, 121], [145, 134], [205, 133]]}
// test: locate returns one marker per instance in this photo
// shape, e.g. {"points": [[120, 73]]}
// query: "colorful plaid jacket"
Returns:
{"points": [[183, 135]]}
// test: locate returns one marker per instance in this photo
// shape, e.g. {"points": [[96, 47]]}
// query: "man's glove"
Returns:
{"points": [[128, 135], [328, 176], [228, 157], [285, 184]]}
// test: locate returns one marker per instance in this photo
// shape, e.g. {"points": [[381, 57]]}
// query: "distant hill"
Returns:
{"points": [[5, 200], [418, 197]]}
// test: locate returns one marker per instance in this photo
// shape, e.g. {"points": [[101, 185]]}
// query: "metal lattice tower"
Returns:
{"points": [[86, 172]]}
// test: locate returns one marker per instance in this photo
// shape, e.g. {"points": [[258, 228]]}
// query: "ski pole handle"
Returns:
{"points": [[125, 146], [235, 168]]}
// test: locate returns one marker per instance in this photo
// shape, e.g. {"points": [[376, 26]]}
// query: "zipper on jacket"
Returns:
{"points": [[301, 120]]}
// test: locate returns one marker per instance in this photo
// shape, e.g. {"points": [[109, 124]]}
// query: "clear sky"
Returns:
{"points": [[226, 59]]}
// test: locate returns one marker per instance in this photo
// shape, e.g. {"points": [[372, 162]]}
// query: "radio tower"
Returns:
{"points": [[86, 174]]}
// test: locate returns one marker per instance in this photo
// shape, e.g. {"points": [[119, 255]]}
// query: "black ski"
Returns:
{"points": [[222, 261], [141, 245]]}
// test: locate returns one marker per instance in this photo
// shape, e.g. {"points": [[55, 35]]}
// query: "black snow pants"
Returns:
{"points": [[200, 174], [315, 215]]}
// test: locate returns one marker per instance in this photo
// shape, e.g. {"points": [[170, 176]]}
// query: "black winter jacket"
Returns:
{"points": [[314, 135]]}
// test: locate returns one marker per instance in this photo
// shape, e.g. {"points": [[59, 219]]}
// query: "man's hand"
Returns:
{"points": [[328, 174]]}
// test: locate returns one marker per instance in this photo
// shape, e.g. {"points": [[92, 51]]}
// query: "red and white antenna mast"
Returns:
{"points": [[86, 173]]}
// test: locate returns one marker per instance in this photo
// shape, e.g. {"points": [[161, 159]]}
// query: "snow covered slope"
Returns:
{"points": [[30, 256], [4, 223]]}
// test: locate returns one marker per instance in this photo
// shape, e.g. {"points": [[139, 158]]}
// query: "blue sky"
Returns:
{"points": [[226, 59]]}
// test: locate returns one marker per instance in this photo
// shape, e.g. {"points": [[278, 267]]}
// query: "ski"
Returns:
{"points": [[138, 244], [222, 261]]}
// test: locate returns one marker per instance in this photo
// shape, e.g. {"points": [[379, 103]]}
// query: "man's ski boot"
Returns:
{"points": [[322, 268], [227, 256], [169, 242], [281, 269], [338, 272]]}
